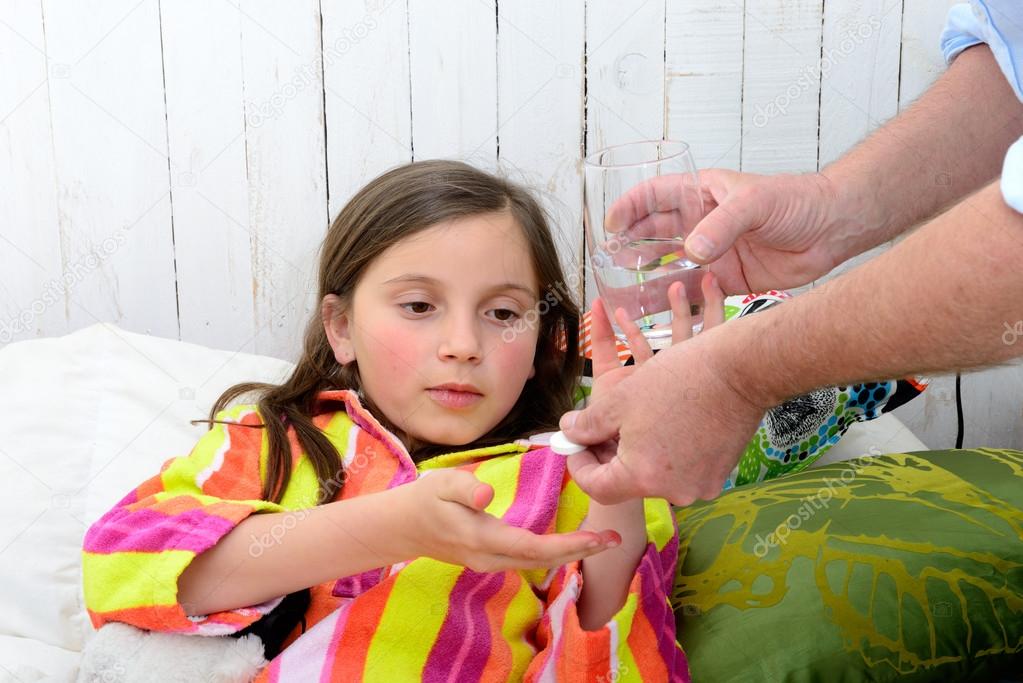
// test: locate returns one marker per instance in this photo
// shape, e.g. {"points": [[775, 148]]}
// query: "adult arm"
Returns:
{"points": [[939, 300]]}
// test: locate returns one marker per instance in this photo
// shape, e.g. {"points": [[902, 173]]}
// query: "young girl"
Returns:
{"points": [[397, 457]]}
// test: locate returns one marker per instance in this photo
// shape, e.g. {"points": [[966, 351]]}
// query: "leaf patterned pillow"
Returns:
{"points": [[903, 567]]}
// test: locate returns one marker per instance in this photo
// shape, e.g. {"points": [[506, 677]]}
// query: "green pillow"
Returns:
{"points": [[905, 567]]}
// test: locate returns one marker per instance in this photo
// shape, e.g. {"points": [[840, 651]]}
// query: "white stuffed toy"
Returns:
{"points": [[120, 653]]}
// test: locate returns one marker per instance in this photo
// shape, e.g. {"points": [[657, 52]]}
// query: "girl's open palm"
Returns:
{"points": [[446, 521]]}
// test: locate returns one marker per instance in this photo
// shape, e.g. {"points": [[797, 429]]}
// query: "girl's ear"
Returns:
{"points": [[337, 327], [532, 372]]}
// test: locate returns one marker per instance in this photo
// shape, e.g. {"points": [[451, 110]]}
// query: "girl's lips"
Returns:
{"points": [[449, 398]]}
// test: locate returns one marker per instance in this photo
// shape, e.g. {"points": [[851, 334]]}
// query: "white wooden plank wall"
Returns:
{"points": [[172, 167]]}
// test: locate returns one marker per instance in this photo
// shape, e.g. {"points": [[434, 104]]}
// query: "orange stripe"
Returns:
{"points": [[363, 618], [642, 643], [500, 661], [238, 477], [372, 468], [154, 618], [578, 647]]}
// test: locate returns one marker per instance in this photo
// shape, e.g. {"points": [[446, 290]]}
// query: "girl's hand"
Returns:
{"points": [[441, 516], [607, 370]]}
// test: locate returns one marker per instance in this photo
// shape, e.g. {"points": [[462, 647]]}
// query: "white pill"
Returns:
{"points": [[562, 446]]}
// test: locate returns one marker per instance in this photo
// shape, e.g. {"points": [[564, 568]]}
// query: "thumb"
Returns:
{"points": [[465, 489], [593, 425], [739, 212]]}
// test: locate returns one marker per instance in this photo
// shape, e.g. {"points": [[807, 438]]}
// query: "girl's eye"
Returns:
{"points": [[504, 315], [417, 307]]}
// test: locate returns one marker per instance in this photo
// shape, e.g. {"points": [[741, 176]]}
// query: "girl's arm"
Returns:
{"points": [[607, 576], [270, 555], [439, 516]]}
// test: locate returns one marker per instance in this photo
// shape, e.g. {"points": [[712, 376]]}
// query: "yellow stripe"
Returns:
{"points": [[503, 475], [627, 667], [462, 457], [412, 619], [660, 524], [132, 579], [523, 613]]}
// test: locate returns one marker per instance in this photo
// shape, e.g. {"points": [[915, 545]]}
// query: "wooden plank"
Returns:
{"points": [[703, 53], [624, 71], [369, 125], [922, 62], [286, 162], [781, 87], [540, 107], [859, 72], [452, 47], [32, 290], [206, 138], [110, 152], [859, 83]]}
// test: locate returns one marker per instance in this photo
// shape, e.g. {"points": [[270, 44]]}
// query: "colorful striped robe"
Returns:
{"points": [[419, 620]]}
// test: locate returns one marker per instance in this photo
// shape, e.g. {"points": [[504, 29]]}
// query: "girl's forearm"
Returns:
{"points": [[607, 575], [270, 555]]}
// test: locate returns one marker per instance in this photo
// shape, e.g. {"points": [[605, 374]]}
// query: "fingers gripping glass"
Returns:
{"points": [[641, 200]]}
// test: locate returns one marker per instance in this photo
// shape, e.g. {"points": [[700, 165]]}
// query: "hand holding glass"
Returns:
{"points": [[640, 201]]}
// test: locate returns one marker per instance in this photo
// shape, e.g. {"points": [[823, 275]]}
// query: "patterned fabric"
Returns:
{"points": [[422, 619], [798, 432], [903, 567]]}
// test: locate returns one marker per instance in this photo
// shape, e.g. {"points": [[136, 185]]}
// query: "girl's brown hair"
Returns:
{"points": [[397, 204]]}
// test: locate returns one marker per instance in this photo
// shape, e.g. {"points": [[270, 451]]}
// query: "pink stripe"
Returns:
{"points": [[148, 530], [463, 645], [535, 506]]}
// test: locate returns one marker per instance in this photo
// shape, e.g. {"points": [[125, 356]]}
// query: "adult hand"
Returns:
{"points": [[675, 428], [758, 232], [446, 521]]}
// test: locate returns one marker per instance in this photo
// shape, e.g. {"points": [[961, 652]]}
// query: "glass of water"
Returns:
{"points": [[641, 200]]}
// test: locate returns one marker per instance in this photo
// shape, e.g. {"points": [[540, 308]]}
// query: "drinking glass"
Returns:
{"points": [[640, 201]]}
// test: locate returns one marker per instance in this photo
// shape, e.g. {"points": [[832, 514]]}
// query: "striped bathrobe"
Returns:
{"points": [[419, 620]]}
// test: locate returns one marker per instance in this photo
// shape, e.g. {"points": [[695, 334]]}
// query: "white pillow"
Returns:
{"points": [[84, 419]]}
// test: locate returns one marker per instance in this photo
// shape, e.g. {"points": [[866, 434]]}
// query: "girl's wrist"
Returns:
{"points": [[627, 518]]}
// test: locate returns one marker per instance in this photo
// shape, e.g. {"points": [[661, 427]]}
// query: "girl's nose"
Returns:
{"points": [[461, 341]]}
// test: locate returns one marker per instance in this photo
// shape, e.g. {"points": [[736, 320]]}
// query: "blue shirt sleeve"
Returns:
{"points": [[999, 23]]}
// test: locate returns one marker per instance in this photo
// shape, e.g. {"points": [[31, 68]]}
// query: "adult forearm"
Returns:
{"points": [[269, 555], [939, 300], [948, 144]]}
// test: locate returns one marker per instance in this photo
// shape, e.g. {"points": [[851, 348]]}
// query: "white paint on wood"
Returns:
{"points": [[110, 152], [703, 52], [286, 164], [922, 62], [33, 289], [250, 88], [781, 89], [624, 78], [202, 61], [369, 121], [454, 80], [859, 72], [540, 107]]}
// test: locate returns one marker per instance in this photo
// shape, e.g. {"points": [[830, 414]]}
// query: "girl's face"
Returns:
{"points": [[432, 325]]}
